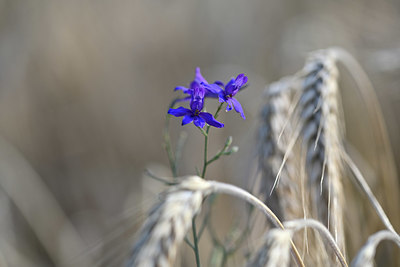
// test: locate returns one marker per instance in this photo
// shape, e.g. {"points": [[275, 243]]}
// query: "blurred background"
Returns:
{"points": [[85, 86]]}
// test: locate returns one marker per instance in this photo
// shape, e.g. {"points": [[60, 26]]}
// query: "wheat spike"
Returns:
{"points": [[281, 184], [365, 257], [275, 250], [289, 186], [167, 224], [267, 150], [296, 225], [322, 136]]}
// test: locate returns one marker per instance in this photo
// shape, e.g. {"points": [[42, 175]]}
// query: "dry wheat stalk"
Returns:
{"points": [[282, 161], [317, 125], [279, 166], [322, 137], [296, 225], [169, 221], [167, 224], [365, 257], [275, 250], [267, 154], [283, 186], [386, 169]]}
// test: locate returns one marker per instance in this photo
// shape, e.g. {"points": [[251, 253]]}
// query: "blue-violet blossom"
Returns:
{"points": [[231, 89], [198, 81], [194, 113]]}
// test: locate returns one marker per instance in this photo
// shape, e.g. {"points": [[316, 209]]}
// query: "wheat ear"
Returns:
{"points": [[168, 222], [273, 117], [296, 225], [323, 136], [275, 250], [282, 161], [365, 257]]}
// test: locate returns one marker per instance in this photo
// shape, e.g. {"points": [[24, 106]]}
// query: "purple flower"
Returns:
{"points": [[198, 81], [231, 89], [194, 113]]}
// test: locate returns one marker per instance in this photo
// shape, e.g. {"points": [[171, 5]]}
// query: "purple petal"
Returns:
{"points": [[212, 95], [230, 87], [187, 119], [198, 77], [213, 88], [238, 107], [229, 106], [194, 84], [179, 112], [211, 120], [240, 80], [221, 98], [184, 89], [197, 101], [219, 83], [198, 121]]}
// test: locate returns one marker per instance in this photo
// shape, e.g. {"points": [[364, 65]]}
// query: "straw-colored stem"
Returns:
{"points": [[365, 257], [381, 145], [364, 186], [299, 224], [218, 187]]}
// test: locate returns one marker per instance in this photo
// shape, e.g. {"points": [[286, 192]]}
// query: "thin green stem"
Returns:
{"points": [[179, 149], [203, 173], [223, 151], [210, 200], [168, 147], [155, 177], [189, 243], [204, 132], [195, 242], [218, 110], [167, 144]]}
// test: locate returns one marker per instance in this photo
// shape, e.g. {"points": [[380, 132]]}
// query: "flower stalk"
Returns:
{"points": [[198, 90]]}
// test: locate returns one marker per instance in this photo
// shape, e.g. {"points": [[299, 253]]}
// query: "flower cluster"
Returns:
{"points": [[194, 113], [199, 89]]}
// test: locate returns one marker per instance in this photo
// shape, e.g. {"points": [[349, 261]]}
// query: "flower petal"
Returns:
{"points": [[184, 89], [229, 106], [211, 95], [194, 84], [219, 83], [198, 121], [230, 87], [211, 120], [240, 80], [179, 112], [238, 107], [221, 98], [213, 88], [197, 101], [198, 77], [187, 119]]}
